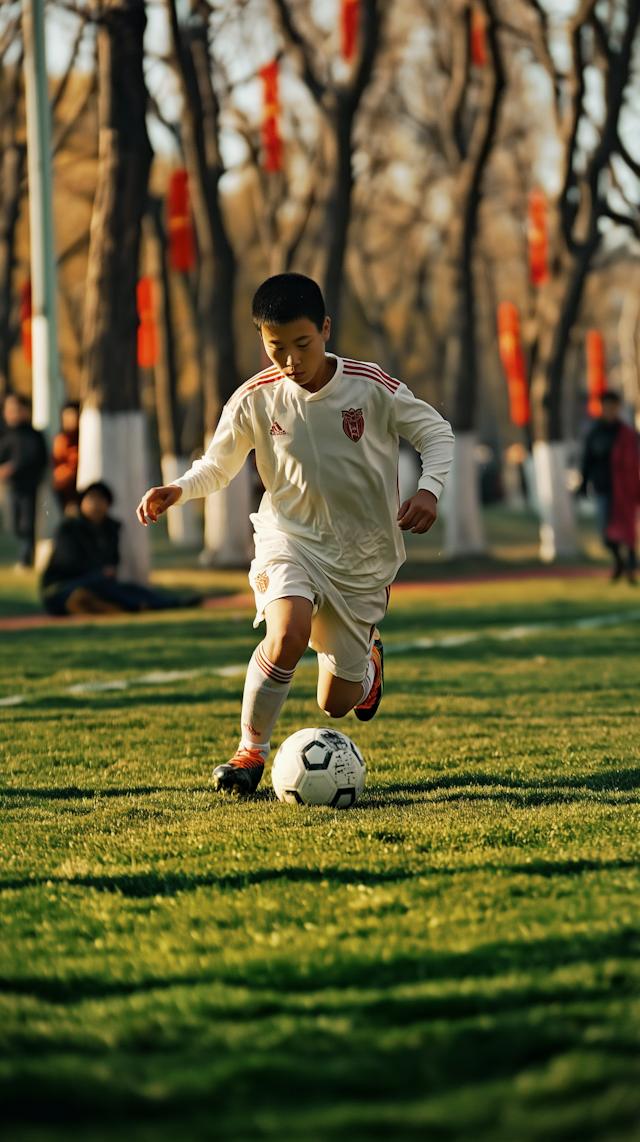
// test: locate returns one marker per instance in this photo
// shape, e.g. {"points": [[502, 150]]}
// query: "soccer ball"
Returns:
{"points": [[319, 767]]}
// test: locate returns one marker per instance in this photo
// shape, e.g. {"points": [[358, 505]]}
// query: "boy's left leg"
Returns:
{"points": [[350, 655], [338, 696]]}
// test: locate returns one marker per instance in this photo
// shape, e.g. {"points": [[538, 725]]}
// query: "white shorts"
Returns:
{"points": [[342, 625]]}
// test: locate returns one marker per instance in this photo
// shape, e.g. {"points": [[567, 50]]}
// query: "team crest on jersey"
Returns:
{"points": [[261, 581], [276, 430], [353, 423]]}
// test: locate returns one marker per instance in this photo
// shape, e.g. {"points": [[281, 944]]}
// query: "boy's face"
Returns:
{"points": [[297, 348]]}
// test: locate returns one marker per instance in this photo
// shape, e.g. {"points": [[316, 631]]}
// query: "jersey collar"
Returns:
{"points": [[324, 392]]}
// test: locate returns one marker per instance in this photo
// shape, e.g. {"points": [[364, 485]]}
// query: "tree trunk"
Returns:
{"points": [[465, 396], [182, 524], [112, 429], [200, 115], [110, 376], [227, 527], [463, 531], [347, 102], [11, 175]]}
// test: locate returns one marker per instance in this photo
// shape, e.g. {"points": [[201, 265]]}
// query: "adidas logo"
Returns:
{"points": [[276, 430]]}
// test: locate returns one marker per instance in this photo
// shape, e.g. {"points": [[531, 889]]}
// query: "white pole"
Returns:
{"points": [[47, 387]]}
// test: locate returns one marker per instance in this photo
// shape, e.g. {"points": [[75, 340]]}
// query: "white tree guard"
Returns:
{"points": [[558, 535], [183, 525], [113, 448], [228, 535], [461, 508]]}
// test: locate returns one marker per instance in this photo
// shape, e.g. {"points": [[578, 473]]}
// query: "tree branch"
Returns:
{"points": [[601, 37], [67, 127], [292, 35], [606, 211], [64, 82], [453, 139], [626, 157], [541, 38]]}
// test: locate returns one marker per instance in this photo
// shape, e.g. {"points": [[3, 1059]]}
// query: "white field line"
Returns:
{"points": [[163, 677]]}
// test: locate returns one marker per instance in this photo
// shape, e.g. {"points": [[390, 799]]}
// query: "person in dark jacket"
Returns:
{"points": [[612, 466], [81, 575], [23, 461]]}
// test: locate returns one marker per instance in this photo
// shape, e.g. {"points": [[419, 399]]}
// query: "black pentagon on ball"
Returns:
{"points": [[313, 763], [350, 793]]}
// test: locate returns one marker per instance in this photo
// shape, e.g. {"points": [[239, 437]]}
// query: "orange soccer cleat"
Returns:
{"points": [[240, 775]]}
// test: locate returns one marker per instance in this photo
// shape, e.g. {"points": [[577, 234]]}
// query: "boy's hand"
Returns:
{"points": [[156, 501], [419, 513]]}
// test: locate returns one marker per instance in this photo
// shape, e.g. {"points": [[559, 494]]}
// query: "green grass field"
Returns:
{"points": [[456, 958]]}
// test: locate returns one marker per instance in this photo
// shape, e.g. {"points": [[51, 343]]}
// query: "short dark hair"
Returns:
{"points": [[611, 396], [24, 402], [101, 488], [288, 297], [71, 404]]}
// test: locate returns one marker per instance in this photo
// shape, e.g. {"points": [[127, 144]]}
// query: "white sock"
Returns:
{"points": [[367, 681], [265, 689]]}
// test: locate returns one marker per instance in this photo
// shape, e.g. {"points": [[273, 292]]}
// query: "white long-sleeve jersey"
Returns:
{"points": [[329, 464]]}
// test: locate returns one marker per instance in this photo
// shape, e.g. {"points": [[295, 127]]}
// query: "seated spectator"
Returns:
{"points": [[81, 575], [23, 460], [65, 459]]}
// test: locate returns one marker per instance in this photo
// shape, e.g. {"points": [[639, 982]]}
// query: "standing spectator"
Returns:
{"points": [[612, 466], [65, 459], [23, 460], [81, 576]]}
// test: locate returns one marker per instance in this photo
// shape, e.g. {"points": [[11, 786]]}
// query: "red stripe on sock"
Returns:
{"points": [[271, 671]]}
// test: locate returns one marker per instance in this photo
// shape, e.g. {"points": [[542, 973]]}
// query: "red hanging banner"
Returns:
{"points": [[596, 372], [513, 363], [25, 319], [478, 38], [271, 139], [148, 336], [537, 234], [349, 28], [181, 244]]}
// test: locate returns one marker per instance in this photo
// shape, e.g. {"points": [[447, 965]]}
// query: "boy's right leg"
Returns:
{"points": [[267, 684]]}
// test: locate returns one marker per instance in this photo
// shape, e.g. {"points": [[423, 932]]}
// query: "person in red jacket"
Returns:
{"points": [[612, 466], [65, 459]]}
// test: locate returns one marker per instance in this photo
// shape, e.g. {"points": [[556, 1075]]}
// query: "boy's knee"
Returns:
{"points": [[286, 644]]}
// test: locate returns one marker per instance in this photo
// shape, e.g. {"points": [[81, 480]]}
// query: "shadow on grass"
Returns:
{"points": [[143, 885], [73, 793], [603, 781], [135, 698], [284, 979]]}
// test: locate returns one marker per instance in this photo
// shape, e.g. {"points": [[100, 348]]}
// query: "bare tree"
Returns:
{"points": [[339, 101], [591, 187], [110, 380], [112, 427], [216, 268]]}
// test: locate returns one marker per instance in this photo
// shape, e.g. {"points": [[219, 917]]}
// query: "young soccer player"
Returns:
{"points": [[327, 535]]}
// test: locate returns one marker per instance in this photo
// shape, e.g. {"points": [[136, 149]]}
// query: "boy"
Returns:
{"points": [[328, 544]]}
